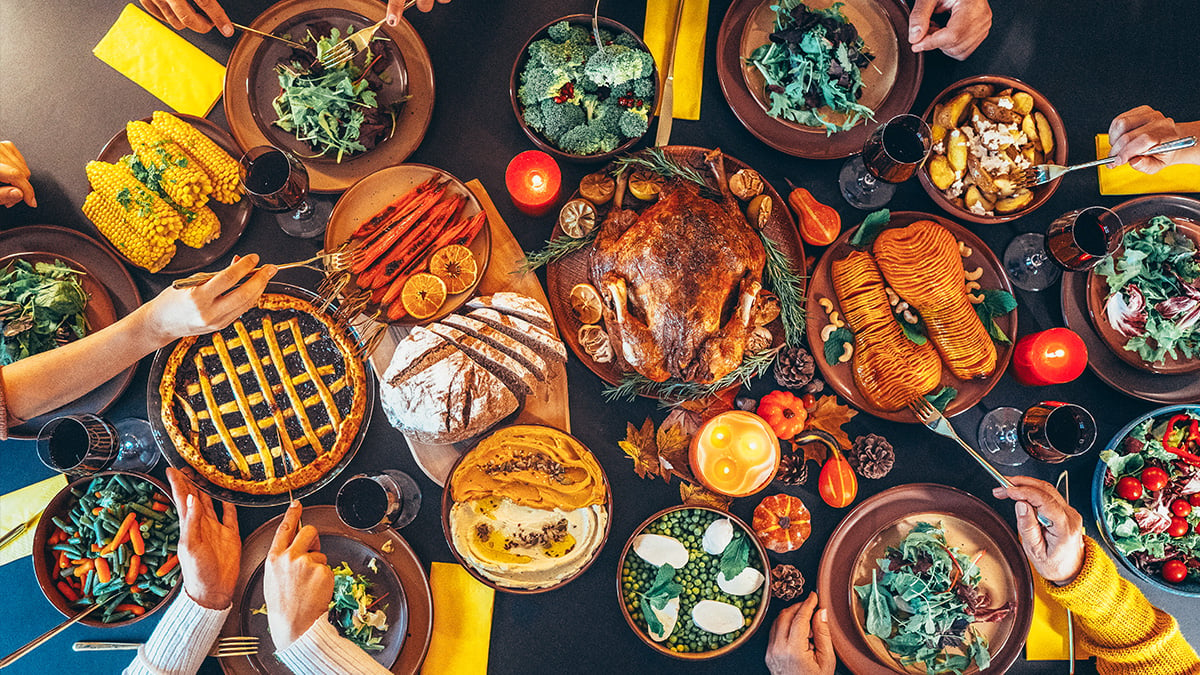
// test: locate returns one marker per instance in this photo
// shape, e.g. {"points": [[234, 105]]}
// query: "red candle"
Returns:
{"points": [[1052, 356], [533, 181]]}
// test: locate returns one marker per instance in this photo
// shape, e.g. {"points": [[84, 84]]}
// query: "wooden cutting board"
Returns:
{"points": [[550, 408]]}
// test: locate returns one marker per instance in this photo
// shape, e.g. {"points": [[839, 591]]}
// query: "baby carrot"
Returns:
{"points": [[167, 566], [137, 610], [68, 592], [103, 573], [121, 533], [135, 537], [132, 575]]}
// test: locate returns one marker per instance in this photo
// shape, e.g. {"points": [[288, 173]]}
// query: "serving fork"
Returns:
{"points": [[936, 422], [354, 43], [1044, 173], [333, 262]]}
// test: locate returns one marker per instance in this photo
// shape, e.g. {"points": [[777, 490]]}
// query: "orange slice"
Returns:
{"points": [[423, 295], [585, 303], [455, 265]]}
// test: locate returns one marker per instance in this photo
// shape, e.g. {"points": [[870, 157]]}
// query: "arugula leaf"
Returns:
{"points": [[879, 611], [735, 557], [870, 228], [942, 397], [835, 345]]}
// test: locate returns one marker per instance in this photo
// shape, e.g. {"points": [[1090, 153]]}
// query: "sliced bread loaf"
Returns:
{"points": [[518, 378], [520, 306], [541, 341], [524, 355]]}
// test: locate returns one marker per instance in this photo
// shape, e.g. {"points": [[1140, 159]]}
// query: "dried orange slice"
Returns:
{"points": [[423, 295], [645, 184], [455, 265], [577, 218], [585, 303]]}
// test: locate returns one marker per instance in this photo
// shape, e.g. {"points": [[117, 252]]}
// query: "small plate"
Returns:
{"points": [[841, 376], [409, 634], [371, 194], [877, 522], [251, 84], [890, 84], [233, 216], [108, 273]]}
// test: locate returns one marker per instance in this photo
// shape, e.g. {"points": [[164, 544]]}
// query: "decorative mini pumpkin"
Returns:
{"points": [[785, 412], [782, 523], [838, 484]]}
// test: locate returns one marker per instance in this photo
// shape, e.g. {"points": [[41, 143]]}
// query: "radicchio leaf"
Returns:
{"points": [[1127, 316]]}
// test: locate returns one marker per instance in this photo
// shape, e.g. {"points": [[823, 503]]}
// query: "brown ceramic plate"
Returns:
{"points": [[564, 273], [841, 376], [1097, 294], [514, 83], [99, 310], [447, 502], [59, 507], [250, 86], [759, 616], [889, 86], [371, 194], [233, 216], [410, 614], [107, 273], [882, 521], [1042, 192], [1103, 360]]}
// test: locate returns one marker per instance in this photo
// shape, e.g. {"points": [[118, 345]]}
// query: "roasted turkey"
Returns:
{"points": [[680, 281]]}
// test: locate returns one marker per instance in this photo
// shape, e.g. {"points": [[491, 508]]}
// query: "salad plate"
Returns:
{"points": [[890, 82], [397, 572]]}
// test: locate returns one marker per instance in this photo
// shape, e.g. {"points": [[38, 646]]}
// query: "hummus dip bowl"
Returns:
{"points": [[527, 510]]}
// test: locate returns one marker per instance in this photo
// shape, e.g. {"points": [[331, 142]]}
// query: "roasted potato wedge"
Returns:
{"points": [[955, 111], [981, 177], [937, 133], [980, 90], [956, 151], [940, 172], [997, 113], [1019, 200], [1045, 135], [1022, 102], [1029, 127], [975, 198]]}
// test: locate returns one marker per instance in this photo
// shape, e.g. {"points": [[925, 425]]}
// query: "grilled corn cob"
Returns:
{"points": [[151, 251], [201, 227], [222, 169], [174, 172]]}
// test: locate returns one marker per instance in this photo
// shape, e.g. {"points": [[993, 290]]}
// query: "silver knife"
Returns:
{"points": [[1063, 485], [92, 646], [15, 533], [666, 100]]}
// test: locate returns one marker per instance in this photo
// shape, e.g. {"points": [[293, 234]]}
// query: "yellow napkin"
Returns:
{"points": [[162, 62], [1125, 180], [1047, 639], [18, 506], [462, 623], [689, 50]]}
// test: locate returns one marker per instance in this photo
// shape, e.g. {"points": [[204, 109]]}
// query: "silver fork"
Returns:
{"points": [[936, 422], [1044, 173], [354, 43], [236, 645], [333, 262]]}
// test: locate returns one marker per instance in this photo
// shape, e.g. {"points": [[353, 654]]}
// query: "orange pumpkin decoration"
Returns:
{"points": [[838, 484], [782, 523]]}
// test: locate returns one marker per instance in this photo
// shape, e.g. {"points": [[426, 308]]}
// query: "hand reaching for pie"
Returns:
{"points": [[211, 306], [297, 582]]}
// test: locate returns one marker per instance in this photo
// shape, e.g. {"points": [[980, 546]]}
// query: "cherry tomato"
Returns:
{"points": [[1195, 499], [1129, 488], [1181, 508], [1174, 571], [1179, 527], [1154, 478]]}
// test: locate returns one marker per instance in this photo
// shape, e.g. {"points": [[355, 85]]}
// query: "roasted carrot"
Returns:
{"points": [[412, 248], [381, 244], [160, 506], [408, 231], [137, 610], [122, 532], [135, 538], [132, 574], [68, 592], [85, 566], [167, 566], [393, 210]]}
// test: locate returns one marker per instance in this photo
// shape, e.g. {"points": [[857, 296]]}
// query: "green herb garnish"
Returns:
{"points": [[735, 557], [663, 590], [672, 391], [870, 228], [995, 303]]}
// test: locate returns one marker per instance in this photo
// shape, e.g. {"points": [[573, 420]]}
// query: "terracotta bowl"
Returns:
{"points": [[539, 140], [43, 561], [1042, 192], [758, 551]]}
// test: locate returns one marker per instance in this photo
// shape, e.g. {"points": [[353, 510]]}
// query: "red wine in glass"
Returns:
{"points": [[891, 155], [277, 181], [1054, 432], [1079, 240], [77, 445], [374, 502]]}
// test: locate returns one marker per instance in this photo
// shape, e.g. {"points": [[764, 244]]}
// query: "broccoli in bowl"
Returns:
{"points": [[583, 100]]}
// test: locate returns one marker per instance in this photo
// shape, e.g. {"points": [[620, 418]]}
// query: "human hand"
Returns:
{"points": [[800, 643], [1136, 131], [297, 582], [179, 14], [395, 7], [970, 21], [15, 173], [179, 312], [210, 550], [1056, 551]]}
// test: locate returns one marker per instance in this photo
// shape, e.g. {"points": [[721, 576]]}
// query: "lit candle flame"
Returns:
{"points": [[537, 181]]}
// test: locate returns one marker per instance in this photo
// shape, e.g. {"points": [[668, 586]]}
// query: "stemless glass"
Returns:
{"points": [[80, 445], [891, 155], [1077, 241], [373, 502], [1051, 432], [275, 180]]}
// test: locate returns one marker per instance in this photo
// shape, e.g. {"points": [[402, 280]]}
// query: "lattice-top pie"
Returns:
{"points": [[270, 403]]}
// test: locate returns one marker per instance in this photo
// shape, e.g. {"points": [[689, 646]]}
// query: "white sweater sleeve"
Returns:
{"points": [[181, 640], [321, 651]]}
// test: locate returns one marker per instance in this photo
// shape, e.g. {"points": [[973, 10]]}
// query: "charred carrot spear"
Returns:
{"points": [[402, 255], [370, 277], [396, 208], [381, 245]]}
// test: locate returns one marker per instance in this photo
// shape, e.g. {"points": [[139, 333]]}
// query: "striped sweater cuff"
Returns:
{"points": [[185, 623], [321, 651]]}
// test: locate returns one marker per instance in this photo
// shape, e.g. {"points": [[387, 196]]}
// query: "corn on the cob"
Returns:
{"points": [[202, 227], [222, 169], [187, 184], [151, 251], [141, 206]]}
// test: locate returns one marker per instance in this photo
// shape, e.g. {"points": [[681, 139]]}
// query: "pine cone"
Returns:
{"points": [[794, 367], [871, 456], [793, 470], [787, 583]]}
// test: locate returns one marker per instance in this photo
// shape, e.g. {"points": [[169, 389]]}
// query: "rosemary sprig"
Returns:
{"points": [[673, 391], [789, 286], [659, 162], [555, 248]]}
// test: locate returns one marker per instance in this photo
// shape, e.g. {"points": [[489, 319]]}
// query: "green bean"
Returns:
{"points": [[120, 480], [158, 590], [145, 511], [61, 524], [89, 582]]}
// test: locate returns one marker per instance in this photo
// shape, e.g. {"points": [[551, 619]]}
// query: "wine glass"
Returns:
{"points": [[80, 445], [891, 155], [1051, 432], [374, 502], [1077, 241], [276, 181]]}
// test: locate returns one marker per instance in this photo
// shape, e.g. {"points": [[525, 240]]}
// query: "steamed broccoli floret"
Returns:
{"points": [[643, 87], [615, 65], [626, 40], [539, 84], [558, 56], [534, 118], [634, 122], [604, 114], [565, 32], [560, 118], [588, 139]]}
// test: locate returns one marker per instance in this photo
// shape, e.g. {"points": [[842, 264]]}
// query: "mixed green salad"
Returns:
{"points": [[41, 306], [924, 601], [1152, 496], [814, 60], [351, 609], [1154, 291]]}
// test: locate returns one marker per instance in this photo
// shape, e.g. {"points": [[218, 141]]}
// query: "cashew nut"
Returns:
{"points": [[909, 317], [826, 304], [827, 331], [891, 295], [964, 250], [901, 306], [847, 352], [975, 275], [973, 286], [975, 299], [836, 320]]}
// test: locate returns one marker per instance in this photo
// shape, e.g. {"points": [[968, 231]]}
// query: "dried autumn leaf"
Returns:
{"points": [[696, 495], [712, 406], [829, 416], [642, 448], [812, 452], [673, 445]]}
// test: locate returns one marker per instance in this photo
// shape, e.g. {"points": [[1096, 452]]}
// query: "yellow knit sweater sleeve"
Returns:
{"points": [[1128, 635]]}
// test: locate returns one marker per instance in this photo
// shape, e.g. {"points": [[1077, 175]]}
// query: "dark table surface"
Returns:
{"points": [[1092, 59]]}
